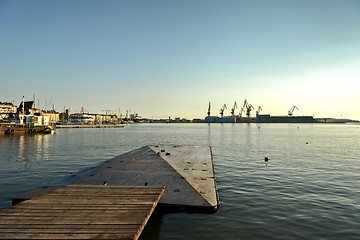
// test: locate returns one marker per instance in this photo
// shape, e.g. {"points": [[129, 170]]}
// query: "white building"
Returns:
{"points": [[82, 118], [7, 109]]}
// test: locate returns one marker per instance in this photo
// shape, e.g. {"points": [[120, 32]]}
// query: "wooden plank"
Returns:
{"points": [[96, 212]]}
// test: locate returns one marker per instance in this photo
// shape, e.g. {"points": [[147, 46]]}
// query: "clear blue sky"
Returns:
{"points": [[170, 58]]}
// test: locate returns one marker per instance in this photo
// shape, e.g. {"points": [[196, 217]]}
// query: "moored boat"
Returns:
{"points": [[15, 128]]}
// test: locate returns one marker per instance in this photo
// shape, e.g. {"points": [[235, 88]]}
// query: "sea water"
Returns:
{"points": [[309, 189]]}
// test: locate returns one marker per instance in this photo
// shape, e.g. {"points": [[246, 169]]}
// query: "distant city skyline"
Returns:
{"points": [[171, 58]]}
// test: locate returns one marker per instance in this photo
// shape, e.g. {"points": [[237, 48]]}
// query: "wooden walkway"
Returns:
{"points": [[82, 212]]}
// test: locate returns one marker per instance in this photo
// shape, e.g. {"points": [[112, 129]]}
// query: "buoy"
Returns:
{"points": [[266, 159], [307, 143]]}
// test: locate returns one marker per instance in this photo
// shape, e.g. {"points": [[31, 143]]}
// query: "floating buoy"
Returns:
{"points": [[307, 143], [266, 159]]}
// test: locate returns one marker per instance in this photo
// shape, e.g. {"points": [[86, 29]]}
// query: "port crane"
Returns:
{"points": [[258, 111], [290, 112], [208, 112], [222, 110], [241, 111], [233, 109], [248, 108]]}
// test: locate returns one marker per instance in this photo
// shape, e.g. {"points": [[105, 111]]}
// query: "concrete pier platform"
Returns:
{"points": [[186, 173]]}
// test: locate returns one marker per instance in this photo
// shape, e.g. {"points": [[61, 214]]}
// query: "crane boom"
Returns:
{"points": [[241, 111], [290, 112], [233, 109], [222, 110], [258, 111], [247, 107]]}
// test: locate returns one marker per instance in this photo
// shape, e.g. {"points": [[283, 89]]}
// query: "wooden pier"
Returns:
{"points": [[186, 172], [115, 199], [82, 212]]}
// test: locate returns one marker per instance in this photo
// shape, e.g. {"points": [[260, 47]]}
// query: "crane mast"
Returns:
{"points": [[241, 111], [222, 110], [247, 107], [233, 109], [290, 112], [208, 112], [258, 111]]}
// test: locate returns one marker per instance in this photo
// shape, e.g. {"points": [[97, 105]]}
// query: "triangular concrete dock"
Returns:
{"points": [[186, 172], [115, 199]]}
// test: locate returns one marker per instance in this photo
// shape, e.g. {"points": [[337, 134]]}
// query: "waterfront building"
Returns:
{"points": [[52, 115], [7, 109], [82, 118]]}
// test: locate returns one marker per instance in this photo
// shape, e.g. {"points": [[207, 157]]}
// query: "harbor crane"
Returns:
{"points": [[290, 112], [241, 111], [222, 110], [247, 107], [233, 109], [208, 112], [258, 111]]}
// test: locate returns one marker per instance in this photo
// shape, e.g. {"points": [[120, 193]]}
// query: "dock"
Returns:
{"points": [[115, 199], [82, 212], [186, 172], [68, 126]]}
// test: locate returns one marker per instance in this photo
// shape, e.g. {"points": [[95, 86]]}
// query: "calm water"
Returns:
{"points": [[310, 188]]}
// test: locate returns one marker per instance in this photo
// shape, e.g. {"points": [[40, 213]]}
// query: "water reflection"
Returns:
{"points": [[26, 149]]}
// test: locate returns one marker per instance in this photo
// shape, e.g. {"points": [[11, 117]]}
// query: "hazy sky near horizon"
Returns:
{"points": [[170, 58]]}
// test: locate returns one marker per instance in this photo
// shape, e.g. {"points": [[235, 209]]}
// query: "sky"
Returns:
{"points": [[171, 58]]}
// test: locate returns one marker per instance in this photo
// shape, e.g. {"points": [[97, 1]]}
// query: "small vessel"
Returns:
{"points": [[27, 124], [14, 128], [27, 120]]}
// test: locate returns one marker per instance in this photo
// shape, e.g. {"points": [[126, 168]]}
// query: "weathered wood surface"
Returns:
{"points": [[186, 172], [195, 165], [82, 212]]}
